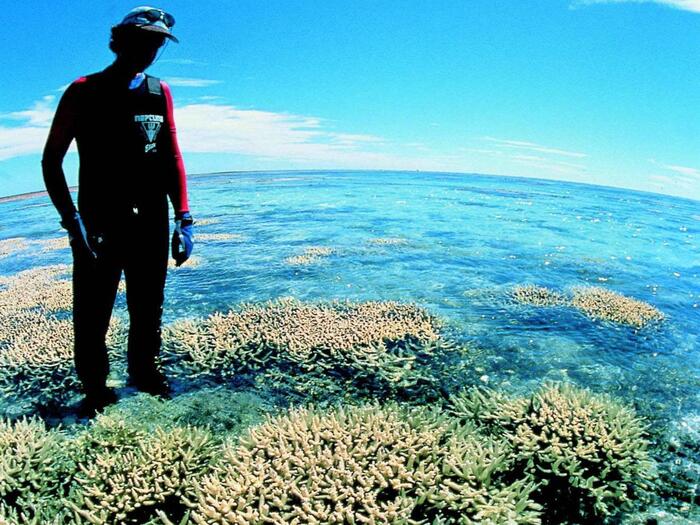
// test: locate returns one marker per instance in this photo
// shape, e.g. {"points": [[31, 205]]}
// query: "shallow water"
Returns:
{"points": [[464, 242]]}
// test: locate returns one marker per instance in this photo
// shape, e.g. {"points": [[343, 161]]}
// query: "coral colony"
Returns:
{"points": [[593, 301], [559, 455]]}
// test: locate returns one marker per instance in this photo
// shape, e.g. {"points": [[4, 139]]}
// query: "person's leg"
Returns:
{"points": [[145, 271], [95, 284]]}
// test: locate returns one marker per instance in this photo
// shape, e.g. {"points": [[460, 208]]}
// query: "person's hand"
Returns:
{"points": [[77, 235], [183, 237]]}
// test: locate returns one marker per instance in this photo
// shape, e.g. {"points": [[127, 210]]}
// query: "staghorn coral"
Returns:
{"points": [[133, 482], [600, 303], [35, 470], [537, 296], [376, 336], [192, 262], [205, 237], [45, 288], [367, 464], [588, 452], [311, 255], [36, 335], [12, 245], [388, 241], [56, 243]]}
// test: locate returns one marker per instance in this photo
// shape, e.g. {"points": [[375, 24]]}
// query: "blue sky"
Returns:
{"points": [[595, 91]]}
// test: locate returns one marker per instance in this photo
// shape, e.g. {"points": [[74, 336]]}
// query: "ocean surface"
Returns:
{"points": [[456, 245]]}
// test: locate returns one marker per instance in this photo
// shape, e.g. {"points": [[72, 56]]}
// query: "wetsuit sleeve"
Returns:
{"points": [[177, 182], [60, 136]]}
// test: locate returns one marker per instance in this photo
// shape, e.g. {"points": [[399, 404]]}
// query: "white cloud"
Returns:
{"points": [[191, 82], [29, 136], [531, 146], [686, 5], [683, 170]]}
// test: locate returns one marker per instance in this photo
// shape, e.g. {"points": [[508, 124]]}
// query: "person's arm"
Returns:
{"points": [[177, 180], [60, 136], [183, 235]]}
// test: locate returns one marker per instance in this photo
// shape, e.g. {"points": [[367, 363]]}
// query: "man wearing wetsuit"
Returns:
{"points": [[130, 163]]}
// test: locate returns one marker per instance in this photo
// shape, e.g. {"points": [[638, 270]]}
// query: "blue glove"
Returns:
{"points": [[77, 235], [183, 237]]}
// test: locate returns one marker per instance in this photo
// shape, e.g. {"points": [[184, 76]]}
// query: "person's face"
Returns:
{"points": [[140, 49]]}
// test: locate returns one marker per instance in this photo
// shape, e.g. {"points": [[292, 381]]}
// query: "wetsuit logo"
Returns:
{"points": [[150, 126]]}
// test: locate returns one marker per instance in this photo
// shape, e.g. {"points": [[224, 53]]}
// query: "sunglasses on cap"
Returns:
{"points": [[156, 15]]}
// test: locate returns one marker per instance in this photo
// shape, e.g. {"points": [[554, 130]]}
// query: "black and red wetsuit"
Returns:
{"points": [[130, 163]]}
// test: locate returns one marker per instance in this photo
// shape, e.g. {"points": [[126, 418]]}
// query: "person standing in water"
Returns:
{"points": [[130, 164]]}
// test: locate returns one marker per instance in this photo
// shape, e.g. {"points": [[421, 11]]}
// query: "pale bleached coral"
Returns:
{"points": [[388, 241], [366, 464], [130, 484], [35, 469], [36, 334], [50, 245], [312, 335], [205, 237], [12, 245], [192, 262], [588, 452], [537, 296], [310, 255], [607, 305]]}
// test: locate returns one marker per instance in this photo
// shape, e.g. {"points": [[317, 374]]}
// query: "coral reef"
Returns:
{"points": [[594, 301], [132, 482], [12, 245], [311, 255], [366, 464], [388, 241], [537, 296], [36, 335], [600, 303], [205, 237], [588, 452], [35, 470], [375, 336], [192, 262], [50, 245]]}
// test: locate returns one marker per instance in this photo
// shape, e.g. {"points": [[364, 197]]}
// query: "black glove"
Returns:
{"points": [[77, 235], [183, 237]]}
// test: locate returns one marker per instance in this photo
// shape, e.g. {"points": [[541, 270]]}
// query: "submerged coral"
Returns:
{"points": [[311, 255], [12, 245], [604, 304], [36, 335], [537, 295], [315, 336], [219, 237], [363, 465], [588, 453], [388, 241]]}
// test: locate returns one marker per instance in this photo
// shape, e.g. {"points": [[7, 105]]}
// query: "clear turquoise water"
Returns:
{"points": [[469, 239]]}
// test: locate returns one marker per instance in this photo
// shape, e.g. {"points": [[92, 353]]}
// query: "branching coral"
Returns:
{"points": [[36, 337], [376, 336], [129, 484], [311, 255], [388, 241], [219, 237], [537, 296], [12, 245], [34, 472], [588, 451], [600, 303], [593, 301], [362, 465]]}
